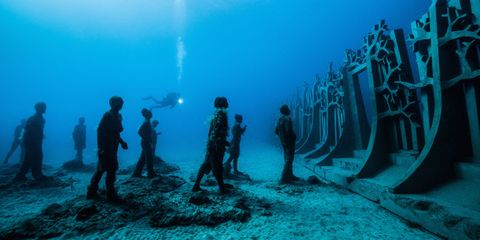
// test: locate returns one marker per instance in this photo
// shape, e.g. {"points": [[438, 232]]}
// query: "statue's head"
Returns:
{"points": [[221, 102], [238, 118], [147, 114], [41, 107], [116, 103], [285, 110]]}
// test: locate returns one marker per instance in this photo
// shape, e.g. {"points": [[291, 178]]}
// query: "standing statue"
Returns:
{"points": [[284, 130], [80, 138], [32, 142], [108, 140], [147, 155], [216, 145], [234, 150], [17, 142], [155, 135]]}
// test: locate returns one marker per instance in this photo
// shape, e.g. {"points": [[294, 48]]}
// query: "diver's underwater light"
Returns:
{"points": [[180, 101]]}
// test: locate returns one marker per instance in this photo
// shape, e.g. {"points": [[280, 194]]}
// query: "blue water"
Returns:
{"points": [[74, 55]]}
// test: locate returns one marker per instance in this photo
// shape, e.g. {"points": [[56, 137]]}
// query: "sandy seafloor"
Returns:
{"points": [[299, 212]]}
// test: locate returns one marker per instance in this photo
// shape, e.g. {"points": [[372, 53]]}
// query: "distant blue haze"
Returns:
{"points": [[74, 55]]}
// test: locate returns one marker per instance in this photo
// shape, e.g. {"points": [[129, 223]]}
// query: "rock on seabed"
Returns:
{"points": [[162, 202]]}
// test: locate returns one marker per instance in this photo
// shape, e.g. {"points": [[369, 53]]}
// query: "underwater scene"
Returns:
{"points": [[240, 119]]}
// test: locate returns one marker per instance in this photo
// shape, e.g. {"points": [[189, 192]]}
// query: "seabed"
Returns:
{"points": [[164, 208]]}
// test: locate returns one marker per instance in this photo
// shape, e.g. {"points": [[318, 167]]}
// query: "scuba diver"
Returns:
{"points": [[147, 155], [216, 145], [17, 142], [284, 130], [234, 150], [108, 140], [32, 142], [171, 100], [79, 138]]}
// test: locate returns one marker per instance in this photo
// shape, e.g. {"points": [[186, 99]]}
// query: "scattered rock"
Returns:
{"points": [[313, 180], [48, 182], [266, 213], [166, 184], [54, 210], [242, 204], [76, 165], [160, 166], [472, 231], [292, 189], [208, 209], [204, 218], [199, 199], [238, 177], [411, 224], [422, 205], [263, 203], [8, 172], [207, 181], [86, 212], [162, 202]]}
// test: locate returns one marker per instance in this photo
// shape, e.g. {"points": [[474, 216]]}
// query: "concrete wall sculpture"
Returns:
{"points": [[417, 148]]}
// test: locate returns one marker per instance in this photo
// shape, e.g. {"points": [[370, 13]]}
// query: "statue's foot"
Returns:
{"points": [[197, 189], [93, 196], [20, 179], [225, 190], [42, 178], [152, 175], [285, 180], [239, 173], [295, 178]]}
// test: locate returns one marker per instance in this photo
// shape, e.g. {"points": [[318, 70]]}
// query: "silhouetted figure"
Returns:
{"points": [[284, 130], [155, 135], [216, 145], [234, 150], [147, 155], [171, 100], [32, 142], [108, 140], [80, 138], [17, 142]]}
